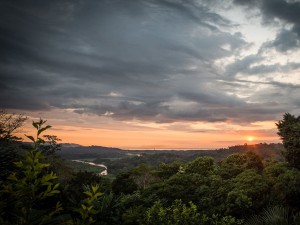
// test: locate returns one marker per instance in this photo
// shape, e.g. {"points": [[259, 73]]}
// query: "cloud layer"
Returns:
{"points": [[148, 60]]}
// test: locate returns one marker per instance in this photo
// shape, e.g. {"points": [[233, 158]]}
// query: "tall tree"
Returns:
{"points": [[289, 131], [9, 124]]}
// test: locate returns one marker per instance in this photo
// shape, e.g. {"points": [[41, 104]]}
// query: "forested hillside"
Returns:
{"points": [[118, 160], [250, 184]]}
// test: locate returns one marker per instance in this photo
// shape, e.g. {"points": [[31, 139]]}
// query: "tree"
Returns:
{"points": [[27, 190], [9, 124], [87, 209], [124, 183], [165, 171], [142, 175], [30, 194], [248, 193], [285, 183], [201, 165], [289, 131], [237, 163], [50, 146], [232, 166]]}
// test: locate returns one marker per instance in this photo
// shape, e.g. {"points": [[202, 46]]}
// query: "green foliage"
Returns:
{"points": [[177, 214], [51, 146], [188, 187], [109, 212], [142, 175], [254, 162], [233, 165], [87, 208], [124, 183], [201, 165], [289, 131], [276, 215], [288, 186], [226, 220], [30, 187], [134, 215], [8, 155], [237, 163], [74, 189], [198, 192], [82, 167], [248, 193], [212, 194], [285, 184], [37, 141], [165, 171], [9, 125]]}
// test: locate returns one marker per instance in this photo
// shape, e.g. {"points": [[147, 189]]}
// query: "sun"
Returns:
{"points": [[250, 138]]}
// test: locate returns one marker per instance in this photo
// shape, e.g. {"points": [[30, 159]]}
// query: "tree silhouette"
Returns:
{"points": [[289, 131]]}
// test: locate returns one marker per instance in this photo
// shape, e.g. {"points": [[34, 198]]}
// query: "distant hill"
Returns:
{"points": [[79, 152], [66, 145], [119, 160], [266, 151]]}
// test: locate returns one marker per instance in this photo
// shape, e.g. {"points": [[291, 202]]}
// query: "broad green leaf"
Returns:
{"points": [[30, 137], [56, 186], [88, 193], [43, 129], [35, 124], [83, 206], [54, 192]]}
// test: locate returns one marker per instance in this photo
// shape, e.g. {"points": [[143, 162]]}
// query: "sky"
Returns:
{"points": [[152, 74]]}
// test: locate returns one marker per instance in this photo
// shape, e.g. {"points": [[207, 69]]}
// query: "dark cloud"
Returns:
{"points": [[286, 12], [242, 65], [247, 66], [139, 59], [286, 40]]}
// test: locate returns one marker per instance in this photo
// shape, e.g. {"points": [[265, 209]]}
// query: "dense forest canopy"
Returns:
{"points": [[39, 187]]}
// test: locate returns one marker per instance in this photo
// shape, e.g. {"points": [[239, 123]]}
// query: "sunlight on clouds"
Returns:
{"points": [[115, 94], [145, 124], [177, 105], [249, 25], [138, 134], [264, 125]]}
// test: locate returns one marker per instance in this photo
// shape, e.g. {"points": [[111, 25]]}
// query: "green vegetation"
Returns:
{"points": [[289, 131], [9, 125], [276, 215], [77, 166], [119, 161], [241, 188]]}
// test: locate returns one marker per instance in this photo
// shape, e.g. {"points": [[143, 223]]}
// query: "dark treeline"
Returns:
{"points": [[239, 188]]}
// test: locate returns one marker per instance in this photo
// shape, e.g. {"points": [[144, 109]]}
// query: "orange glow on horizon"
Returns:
{"points": [[90, 130], [149, 139]]}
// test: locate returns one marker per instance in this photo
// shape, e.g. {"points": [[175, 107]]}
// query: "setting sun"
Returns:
{"points": [[250, 138]]}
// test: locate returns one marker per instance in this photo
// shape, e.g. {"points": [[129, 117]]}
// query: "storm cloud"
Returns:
{"points": [[152, 60]]}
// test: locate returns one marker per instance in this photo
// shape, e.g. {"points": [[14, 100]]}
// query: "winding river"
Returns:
{"points": [[103, 173]]}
